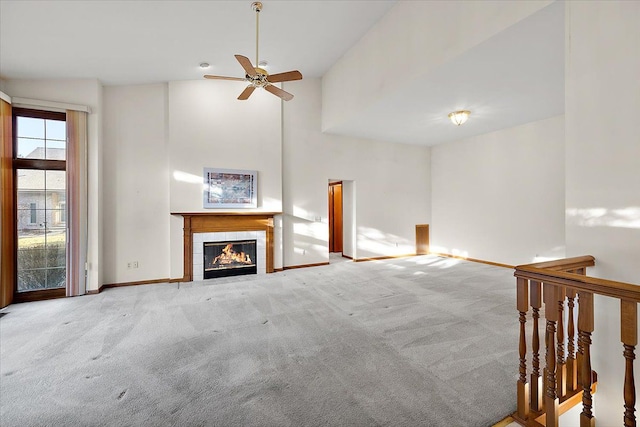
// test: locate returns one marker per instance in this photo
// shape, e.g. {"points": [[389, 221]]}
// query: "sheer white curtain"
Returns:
{"points": [[76, 202]]}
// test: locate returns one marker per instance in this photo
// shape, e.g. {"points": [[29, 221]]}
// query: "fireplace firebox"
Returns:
{"points": [[229, 258]]}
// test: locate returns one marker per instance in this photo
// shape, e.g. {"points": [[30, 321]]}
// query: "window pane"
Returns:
{"points": [[31, 180], [41, 259], [56, 129], [29, 127], [55, 184], [56, 150], [31, 280], [31, 197], [32, 260], [56, 250], [56, 277], [30, 148], [31, 239], [57, 219]]}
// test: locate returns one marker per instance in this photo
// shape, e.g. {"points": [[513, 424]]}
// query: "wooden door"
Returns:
{"points": [[422, 239], [335, 217]]}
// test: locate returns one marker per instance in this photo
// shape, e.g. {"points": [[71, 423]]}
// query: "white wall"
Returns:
{"points": [[412, 39], [83, 92], [603, 169], [349, 219], [500, 196], [208, 127], [136, 183], [392, 184]]}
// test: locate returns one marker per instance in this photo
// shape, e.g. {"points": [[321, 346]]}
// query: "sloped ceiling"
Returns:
{"points": [[139, 41], [515, 77]]}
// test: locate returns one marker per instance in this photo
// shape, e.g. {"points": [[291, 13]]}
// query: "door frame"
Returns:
{"points": [[333, 247]]}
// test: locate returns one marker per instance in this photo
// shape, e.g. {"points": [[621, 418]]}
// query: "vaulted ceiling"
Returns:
{"points": [[515, 77]]}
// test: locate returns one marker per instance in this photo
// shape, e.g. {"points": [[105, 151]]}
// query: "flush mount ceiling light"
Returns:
{"points": [[204, 65], [459, 117]]}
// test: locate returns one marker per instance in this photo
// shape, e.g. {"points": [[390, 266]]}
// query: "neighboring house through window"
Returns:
{"points": [[33, 213]]}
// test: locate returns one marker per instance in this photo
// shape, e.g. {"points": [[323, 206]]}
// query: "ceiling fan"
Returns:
{"points": [[258, 77]]}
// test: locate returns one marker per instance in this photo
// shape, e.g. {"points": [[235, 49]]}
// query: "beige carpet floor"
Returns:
{"points": [[420, 341]]}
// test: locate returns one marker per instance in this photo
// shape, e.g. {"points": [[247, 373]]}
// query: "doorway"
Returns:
{"points": [[335, 217]]}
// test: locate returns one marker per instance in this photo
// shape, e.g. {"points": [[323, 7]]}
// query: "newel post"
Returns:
{"points": [[629, 337], [523, 387]]}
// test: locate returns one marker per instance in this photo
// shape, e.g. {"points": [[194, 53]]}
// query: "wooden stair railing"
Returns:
{"points": [[567, 378]]}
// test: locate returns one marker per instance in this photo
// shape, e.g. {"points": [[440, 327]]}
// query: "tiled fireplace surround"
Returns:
{"points": [[202, 227], [227, 236]]}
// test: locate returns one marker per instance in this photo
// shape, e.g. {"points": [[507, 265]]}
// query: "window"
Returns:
{"points": [[62, 212], [33, 212], [39, 165]]}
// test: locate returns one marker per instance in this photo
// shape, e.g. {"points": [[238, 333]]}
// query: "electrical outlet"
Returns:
{"points": [[304, 252], [128, 265], [135, 264]]}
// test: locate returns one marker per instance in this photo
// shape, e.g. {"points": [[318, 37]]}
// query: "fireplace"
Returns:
{"points": [[229, 258], [200, 227]]}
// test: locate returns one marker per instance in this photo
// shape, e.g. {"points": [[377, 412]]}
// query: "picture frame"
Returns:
{"points": [[230, 188]]}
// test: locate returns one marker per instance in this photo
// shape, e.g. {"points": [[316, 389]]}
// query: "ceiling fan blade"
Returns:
{"points": [[239, 79], [246, 64], [279, 92], [285, 77], [246, 93]]}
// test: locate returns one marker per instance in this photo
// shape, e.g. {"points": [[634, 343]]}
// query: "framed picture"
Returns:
{"points": [[230, 188]]}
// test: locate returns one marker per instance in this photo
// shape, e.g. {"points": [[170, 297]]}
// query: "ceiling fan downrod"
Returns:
{"points": [[257, 76], [257, 7]]}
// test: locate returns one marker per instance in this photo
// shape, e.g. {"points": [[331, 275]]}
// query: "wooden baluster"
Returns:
{"points": [[551, 314], [561, 367], [579, 355], [536, 379], [523, 387], [629, 337], [572, 366], [585, 328]]}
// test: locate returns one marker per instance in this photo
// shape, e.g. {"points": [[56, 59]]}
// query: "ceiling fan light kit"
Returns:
{"points": [[459, 117], [258, 76]]}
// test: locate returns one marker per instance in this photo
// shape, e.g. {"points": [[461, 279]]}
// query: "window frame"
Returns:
{"points": [[34, 164]]}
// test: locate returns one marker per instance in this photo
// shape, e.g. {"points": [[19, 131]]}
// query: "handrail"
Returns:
{"points": [[555, 288], [565, 264], [579, 282]]}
